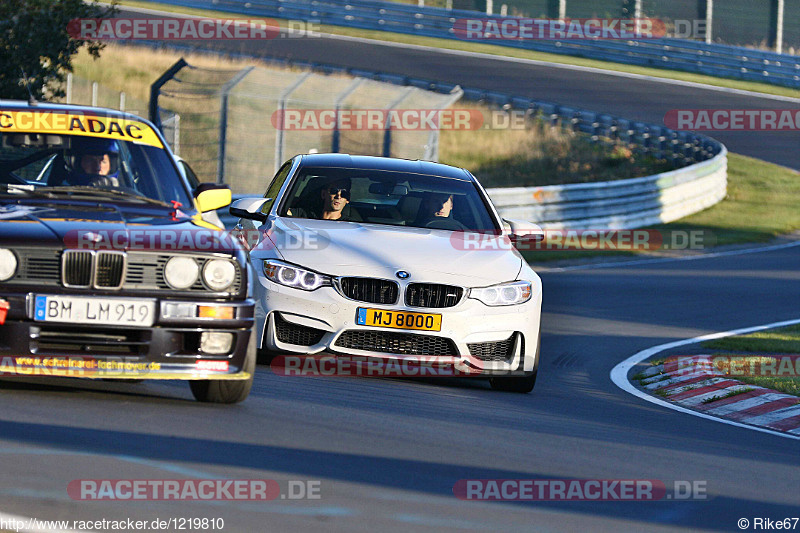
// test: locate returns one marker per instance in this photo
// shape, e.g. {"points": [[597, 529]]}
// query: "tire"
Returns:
{"points": [[224, 391], [523, 384]]}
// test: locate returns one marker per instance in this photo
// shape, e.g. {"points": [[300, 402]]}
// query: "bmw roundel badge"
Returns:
{"points": [[402, 274]]}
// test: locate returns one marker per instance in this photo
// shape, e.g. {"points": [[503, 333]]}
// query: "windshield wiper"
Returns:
{"points": [[17, 188], [99, 192]]}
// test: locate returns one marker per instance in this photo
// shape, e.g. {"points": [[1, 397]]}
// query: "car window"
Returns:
{"points": [[390, 198], [47, 160], [275, 187], [194, 181]]}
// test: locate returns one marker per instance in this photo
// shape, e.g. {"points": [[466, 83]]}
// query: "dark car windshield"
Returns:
{"points": [[63, 164], [387, 197]]}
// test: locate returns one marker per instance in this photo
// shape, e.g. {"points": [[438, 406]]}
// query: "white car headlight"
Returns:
{"points": [[516, 292], [219, 274], [181, 272], [8, 264], [293, 276]]}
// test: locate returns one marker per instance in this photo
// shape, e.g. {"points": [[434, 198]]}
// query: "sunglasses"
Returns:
{"points": [[335, 190]]}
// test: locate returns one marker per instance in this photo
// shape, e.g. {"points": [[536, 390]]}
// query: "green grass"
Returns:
{"points": [[727, 395], [504, 51], [762, 203], [783, 341], [777, 341], [539, 155], [782, 384]]}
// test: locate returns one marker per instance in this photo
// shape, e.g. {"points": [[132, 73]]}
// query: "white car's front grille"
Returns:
{"points": [[295, 333], [432, 295], [396, 343], [492, 351], [369, 290]]}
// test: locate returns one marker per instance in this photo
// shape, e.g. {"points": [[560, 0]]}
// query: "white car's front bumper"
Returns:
{"points": [[495, 340]]}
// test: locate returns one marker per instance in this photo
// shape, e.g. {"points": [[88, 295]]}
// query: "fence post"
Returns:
{"points": [[94, 94], [155, 90], [223, 119], [281, 108], [387, 133], [335, 140], [705, 11], [122, 101], [69, 88], [557, 9], [776, 9], [432, 149]]}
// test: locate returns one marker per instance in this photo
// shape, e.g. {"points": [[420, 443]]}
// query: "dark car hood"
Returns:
{"points": [[70, 225]]}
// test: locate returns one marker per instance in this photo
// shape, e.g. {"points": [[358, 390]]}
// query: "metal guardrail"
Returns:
{"points": [[677, 54], [621, 204]]}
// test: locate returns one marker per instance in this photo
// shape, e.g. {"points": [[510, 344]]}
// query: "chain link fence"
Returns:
{"points": [[229, 125], [87, 92]]}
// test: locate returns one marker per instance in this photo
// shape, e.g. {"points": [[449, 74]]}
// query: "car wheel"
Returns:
{"points": [[522, 384], [224, 391]]}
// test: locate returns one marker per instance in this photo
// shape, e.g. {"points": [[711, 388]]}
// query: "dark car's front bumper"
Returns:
{"points": [[169, 349]]}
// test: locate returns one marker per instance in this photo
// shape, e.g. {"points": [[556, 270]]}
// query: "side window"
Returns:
{"points": [[275, 187], [194, 181]]}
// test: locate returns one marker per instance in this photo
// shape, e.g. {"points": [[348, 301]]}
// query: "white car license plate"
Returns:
{"points": [[91, 310]]}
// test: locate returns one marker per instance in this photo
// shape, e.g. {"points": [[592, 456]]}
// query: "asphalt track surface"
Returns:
{"points": [[387, 452]]}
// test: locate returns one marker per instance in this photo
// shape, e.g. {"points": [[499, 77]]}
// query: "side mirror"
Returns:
{"points": [[519, 231], [212, 196], [249, 208]]}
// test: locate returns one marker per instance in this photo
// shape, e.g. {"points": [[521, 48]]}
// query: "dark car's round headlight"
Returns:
{"points": [[8, 264], [219, 274], [181, 272]]}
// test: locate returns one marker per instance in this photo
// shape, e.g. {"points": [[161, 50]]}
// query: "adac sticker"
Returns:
{"points": [[121, 129]]}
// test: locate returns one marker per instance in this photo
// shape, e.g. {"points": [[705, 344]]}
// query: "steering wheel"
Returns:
{"points": [[445, 223]]}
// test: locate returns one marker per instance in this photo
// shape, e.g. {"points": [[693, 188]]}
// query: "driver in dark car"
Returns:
{"points": [[91, 162]]}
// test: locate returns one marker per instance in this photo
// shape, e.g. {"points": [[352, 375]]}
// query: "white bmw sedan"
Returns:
{"points": [[392, 259]]}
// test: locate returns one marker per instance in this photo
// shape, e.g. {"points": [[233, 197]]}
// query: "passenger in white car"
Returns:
{"points": [[436, 213]]}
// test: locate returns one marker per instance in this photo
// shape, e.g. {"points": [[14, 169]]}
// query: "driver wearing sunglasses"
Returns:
{"points": [[334, 205]]}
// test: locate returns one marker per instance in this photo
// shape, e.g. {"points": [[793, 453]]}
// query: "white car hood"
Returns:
{"points": [[373, 250]]}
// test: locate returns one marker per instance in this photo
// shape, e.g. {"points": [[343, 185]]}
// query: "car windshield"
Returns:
{"points": [[56, 164], [390, 198]]}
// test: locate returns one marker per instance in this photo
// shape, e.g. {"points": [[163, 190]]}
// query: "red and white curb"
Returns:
{"points": [[695, 384], [619, 375]]}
